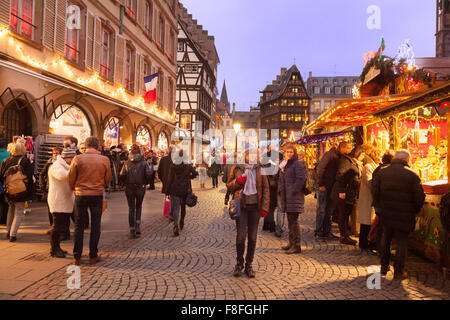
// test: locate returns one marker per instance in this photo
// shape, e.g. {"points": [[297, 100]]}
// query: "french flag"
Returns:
{"points": [[151, 83]]}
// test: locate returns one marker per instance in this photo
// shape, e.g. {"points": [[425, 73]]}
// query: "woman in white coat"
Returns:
{"points": [[60, 199], [366, 211]]}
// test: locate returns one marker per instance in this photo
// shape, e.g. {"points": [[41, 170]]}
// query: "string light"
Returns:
{"points": [[59, 64]]}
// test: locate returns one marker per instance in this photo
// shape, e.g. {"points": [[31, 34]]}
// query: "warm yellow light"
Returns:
{"points": [[236, 127]]}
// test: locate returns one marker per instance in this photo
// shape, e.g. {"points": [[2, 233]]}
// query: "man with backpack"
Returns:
{"points": [[16, 173]]}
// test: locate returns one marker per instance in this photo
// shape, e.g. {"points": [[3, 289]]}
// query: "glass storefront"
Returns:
{"points": [[70, 121], [163, 142], [143, 137], [112, 133]]}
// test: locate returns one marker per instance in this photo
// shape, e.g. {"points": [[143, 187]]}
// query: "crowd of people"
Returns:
{"points": [[386, 192]]}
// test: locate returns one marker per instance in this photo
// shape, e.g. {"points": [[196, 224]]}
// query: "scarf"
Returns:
{"points": [[250, 184], [283, 164]]}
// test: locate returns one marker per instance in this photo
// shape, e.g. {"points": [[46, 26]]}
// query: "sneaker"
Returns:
{"points": [[250, 272], [400, 276], [237, 270], [348, 241]]}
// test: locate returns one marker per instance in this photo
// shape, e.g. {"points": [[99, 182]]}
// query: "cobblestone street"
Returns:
{"points": [[199, 263]]}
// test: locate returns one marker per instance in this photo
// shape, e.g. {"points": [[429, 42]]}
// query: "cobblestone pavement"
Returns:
{"points": [[198, 265]]}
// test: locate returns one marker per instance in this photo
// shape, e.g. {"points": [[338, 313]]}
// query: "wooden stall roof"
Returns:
{"points": [[355, 112]]}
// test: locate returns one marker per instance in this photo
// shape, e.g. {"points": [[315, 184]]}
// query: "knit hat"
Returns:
{"points": [[69, 153]]}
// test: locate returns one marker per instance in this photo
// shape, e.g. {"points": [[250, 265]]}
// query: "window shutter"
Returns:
{"points": [[5, 12], [97, 44], [139, 74], [120, 54], [90, 41], [140, 11], [60, 26], [49, 24]]}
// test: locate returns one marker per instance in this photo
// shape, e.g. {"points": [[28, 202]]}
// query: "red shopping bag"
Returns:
{"points": [[167, 208]]}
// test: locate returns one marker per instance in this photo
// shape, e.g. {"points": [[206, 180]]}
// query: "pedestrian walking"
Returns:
{"points": [[269, 221], [88, 176], [16, 174], [135, 174], [366, 212], [213, 172], [345, 190], [326, 177], [202, 170], [4, 154], [44, 182], [398, 192], [152, 161], [179, 187], [290, 187], [252, 188], [60, 199], [226, 173], [71, 142], [164, 170]]}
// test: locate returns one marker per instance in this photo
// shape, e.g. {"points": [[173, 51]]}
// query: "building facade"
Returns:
{"points": [[285, 104], [223, 115], [77, 67], [326, 91], [442, 28], [197, 73]]}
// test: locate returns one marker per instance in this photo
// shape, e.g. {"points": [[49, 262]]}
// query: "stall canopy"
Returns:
{"points": [[355, 112], [321, 137]]}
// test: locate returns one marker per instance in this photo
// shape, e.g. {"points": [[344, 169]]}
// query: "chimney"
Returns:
{"points": [[283, 71], [278, 78], [310, 74]]}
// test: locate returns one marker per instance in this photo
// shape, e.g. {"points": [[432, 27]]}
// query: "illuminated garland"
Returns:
{"points": [[60, 62]]}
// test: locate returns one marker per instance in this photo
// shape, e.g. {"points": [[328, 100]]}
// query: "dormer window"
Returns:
{"points": [[295, 90], [294, 77], [327, 90]]}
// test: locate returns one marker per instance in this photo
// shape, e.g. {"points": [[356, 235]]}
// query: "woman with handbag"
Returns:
{"points": [[346, 189], [16, 198], [251, 190], [135, 174], [290, 188], [179, 187]]}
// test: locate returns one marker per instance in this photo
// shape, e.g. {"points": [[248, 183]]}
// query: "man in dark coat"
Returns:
{"points": [[164, 171], [398, 193]]}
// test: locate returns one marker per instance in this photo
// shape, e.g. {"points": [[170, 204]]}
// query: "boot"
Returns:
{"points": [[132, 234], [138, 229], [250, 272], [58, 253], [286, 247], [265, 225], [294, 249], [176, 232], [272, 227], [237, 270]]}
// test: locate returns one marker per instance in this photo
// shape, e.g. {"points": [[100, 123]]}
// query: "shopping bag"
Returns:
{"points": [[167, 208]]}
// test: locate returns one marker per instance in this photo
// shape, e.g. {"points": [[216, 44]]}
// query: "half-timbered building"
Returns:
{"points": [[196, 74], [285, 104]]}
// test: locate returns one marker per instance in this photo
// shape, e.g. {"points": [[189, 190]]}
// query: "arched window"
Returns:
{"points": [[112, 132], [143, 137], [163, 142], [70, 120]]}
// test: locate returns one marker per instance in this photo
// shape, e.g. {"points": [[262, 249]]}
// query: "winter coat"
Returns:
{"points": [[179, 182], [348, 178], [399, 192], [374, 174], [27, 168], [60, 196], [164, 171], [327, 169], [4, 155], [365, 201], [136, 171], [43, 178], [290, 186], [273, 187], [262, 187], [214, 170]]}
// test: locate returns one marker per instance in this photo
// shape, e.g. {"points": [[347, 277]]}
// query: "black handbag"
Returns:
{"points": [[191, 200]]}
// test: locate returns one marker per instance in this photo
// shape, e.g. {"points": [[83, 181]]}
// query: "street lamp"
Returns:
{"points": [[236, 128]]}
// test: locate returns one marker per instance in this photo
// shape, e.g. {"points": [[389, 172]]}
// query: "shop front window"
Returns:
{"points": [[112, 132], [143, 137], [163, 142], [70, 120]]}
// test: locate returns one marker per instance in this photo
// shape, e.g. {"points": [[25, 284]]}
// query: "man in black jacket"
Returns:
{"points": [[326, 177], [398, 193]]}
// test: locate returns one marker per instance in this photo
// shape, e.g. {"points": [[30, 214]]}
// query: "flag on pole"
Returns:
{"points": [[151, 82], [381, 49]]}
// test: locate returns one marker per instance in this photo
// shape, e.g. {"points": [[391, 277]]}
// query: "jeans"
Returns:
{"points": [[325, 208], [294, 230], [95, 204], [60, 222], [15, 215], [135, 197], [177, 204], [247, 226], [280, 217], [202, 178], [152, 180], [364, 236], [401, 251], [344, 211], [215, 181]]}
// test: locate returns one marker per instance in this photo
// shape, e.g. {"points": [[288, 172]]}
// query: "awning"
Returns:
{"points": [[431, 96], [321, 137], [68, 84], [355, 112]]}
